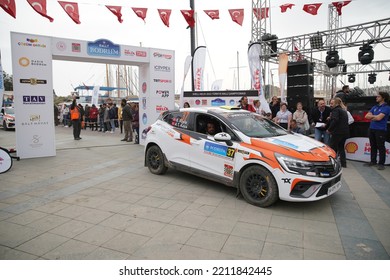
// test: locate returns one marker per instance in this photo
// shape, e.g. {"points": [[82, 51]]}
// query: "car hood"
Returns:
{"points": [[292, 145]]}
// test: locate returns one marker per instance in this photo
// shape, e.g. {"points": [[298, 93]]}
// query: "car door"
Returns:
{"points": [[211, 158], [174, 139]]}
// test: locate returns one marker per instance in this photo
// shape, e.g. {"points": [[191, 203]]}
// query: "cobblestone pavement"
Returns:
{"points": [[95, 200]]}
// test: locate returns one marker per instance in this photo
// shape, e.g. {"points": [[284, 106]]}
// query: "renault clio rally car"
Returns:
{"points": [[251, 153]]}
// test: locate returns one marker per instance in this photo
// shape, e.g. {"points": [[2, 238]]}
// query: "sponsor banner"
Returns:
{"points": [[358, 148], [1, 84], [157, 92], [102, 48], [218, 98], [95, 95], [198, 64], [283, 62], [33, 95], [254, 52]]}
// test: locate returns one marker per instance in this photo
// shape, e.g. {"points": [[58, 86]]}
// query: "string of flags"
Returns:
{"points": [[237, 15]]}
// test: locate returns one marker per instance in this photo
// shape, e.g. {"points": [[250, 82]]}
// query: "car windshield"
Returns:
{"points": [[9, 110], [254, 125]]}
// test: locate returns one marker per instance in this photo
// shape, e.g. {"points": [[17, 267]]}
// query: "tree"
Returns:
{"points": [[8, 82]]}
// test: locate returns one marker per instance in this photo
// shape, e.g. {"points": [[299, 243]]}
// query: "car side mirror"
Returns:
{"points": [[223, 137]]}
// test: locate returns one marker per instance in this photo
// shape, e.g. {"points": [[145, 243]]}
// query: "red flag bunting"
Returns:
{"points": [[40, 7], [213, 14], [116, 10], [237, 15], [165, 15], [339, 5], [261, 13], [9, 7], [140, 12], [72, 9], [284, 7], [312, 8], [189, 17]]}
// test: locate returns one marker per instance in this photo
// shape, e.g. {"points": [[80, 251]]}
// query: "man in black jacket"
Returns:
{"points": [[127, 116], [320, 118], [338, 129]]}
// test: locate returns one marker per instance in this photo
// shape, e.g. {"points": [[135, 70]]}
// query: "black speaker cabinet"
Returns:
{"points": [[303, 67], [303, 94]]}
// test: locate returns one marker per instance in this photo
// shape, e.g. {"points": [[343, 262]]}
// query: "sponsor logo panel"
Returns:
{"points": [[33, 81], [162, 68], [61, 46], [228, 170], [25, 62], [35, 141], [163, 81], [218, 150], [103, 48], [162, 55], [163, 93], [34, 120], [34, 99], [30, 42], [76, 47], [161, 108]]}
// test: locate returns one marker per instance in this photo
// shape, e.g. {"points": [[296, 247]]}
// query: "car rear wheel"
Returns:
{"points": [[155, 160], [258, 186]]}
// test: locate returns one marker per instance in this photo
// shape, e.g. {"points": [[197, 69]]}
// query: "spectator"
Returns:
{"points": [[102, 109], [274, 105], [75, 116], [301, 118], [65, 115], [186, 105], [320, 118], [135, 122], [295, 128], [127, 119], [338, 129], [343, 93], [111, 116], [120, 118], [244, 104], [93, 117], [86, 116], [379, 116], [283, 117], [106, 119]]}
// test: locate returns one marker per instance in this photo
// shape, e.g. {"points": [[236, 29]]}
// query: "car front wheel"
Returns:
{"points": [[155, 160], [5, 127], [258, 186]]}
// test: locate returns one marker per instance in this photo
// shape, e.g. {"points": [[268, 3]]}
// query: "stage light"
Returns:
{"points": [[366, 54], [351, 78], [332, 58], [316, 42], [272, 42], [372, 78], [344, 69]]}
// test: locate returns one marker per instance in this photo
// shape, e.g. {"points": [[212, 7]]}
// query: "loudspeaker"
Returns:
{"points": [[303, 94], [302, 67], [300, 80]]}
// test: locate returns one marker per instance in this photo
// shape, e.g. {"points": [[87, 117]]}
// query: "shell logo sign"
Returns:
{"points": [[358, 148], [351, 147]]}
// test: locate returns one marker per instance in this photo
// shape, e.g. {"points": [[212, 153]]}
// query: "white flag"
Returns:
{"points": [[217, 85], [283, 62], [198, 63], [1, 84], [187, 65], [95, 95], [254, 52]]}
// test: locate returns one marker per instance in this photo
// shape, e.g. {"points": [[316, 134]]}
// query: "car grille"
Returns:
{"points": [[327, 169], [327, 185]]}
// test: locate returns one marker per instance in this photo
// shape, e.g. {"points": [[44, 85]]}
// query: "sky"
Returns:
{"points": [[226, 41]]}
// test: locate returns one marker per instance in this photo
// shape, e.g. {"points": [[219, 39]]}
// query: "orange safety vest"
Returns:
{"points": [[75, 113]]}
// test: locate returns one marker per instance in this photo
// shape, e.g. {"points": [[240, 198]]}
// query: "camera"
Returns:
{"points": [[75, 95]]}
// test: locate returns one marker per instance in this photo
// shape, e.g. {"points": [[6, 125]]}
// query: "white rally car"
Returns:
{"points": [[7, 118], [259, 158]]}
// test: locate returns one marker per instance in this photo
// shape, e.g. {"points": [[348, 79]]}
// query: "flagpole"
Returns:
{"points": [[192, 30]]}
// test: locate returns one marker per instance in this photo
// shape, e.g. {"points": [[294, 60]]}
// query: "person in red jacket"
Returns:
{"points": [[93, 116], [245, 105]]}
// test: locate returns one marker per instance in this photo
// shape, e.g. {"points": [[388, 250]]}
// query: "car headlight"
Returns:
{"points": [[294, 165]]}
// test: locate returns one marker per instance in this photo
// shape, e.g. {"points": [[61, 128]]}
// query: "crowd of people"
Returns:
{"points": [[330, 124], [107, 118]]}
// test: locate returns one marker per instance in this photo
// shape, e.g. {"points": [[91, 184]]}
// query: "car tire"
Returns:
{"points": [[155, 160], [258, 186], [5, 126]]}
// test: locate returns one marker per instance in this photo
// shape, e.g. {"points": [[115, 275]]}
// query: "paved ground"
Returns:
{"points": [[96, 200]]}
